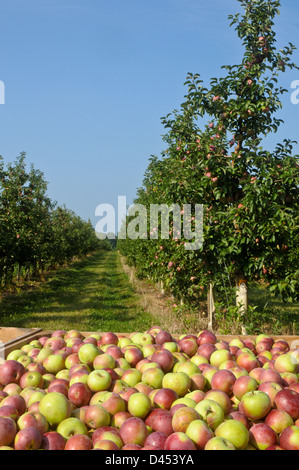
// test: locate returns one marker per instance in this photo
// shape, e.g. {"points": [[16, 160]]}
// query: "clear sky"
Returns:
{"points": [[87, 82]]}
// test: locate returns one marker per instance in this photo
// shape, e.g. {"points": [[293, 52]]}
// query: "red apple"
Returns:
{"points": [[206, 336], [157, 439], [279, 420], [179, 441], [17, 401], [79, 394], [223, 380], [262, 436], [28, 439], [33, 419], [11, 371], [8, 430], [243, 385], [164, 358], [78, 442], [160, 420], [96, 416], [288, 400], [133, 431], [271, 388], [289, 438], [163, 337], [164, 398], [52, 440]]}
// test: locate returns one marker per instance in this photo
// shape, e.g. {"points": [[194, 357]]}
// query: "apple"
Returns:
{"points": [[243, 385], [110, 435], [8, 411], [190, 368], [208, 373], [87, 353], [183, 417], [132, 376], [28, 439], [279, 420], [15, 354], [139, 405], [17, 401], [164, 398], [52, 440], [179, 441], [8, 430], [55, 407], [235, 432], [271, 388], [156, 439], [11, 372], [142, 339], [79, 394], [12, 389], [113, 403], [237, 415], [109, 338], [105, 444], [289, 438], [164, 358], [36, 397], [223, 380], [73, 334], [98, 380], [287, 400], [133, 355], [103, 361], [188, 346], [210, 412], [180, 382], [33, 419], [70, 427], [247, 360], [114, 351], [96, 416], [270, 375], [31, 379], [219, 356], [219, 443], [221, 398], [133, 431], [206, 336], [160, 420], [54, 363], [262, 436], [163, 337], [255, 405], [286, 363], [55, 343], [206, 349], [119, 418], [153, 376], [71, 359]]}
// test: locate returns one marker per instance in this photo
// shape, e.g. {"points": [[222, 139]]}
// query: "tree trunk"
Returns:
{"points": [[242, 297], [211, 307]]}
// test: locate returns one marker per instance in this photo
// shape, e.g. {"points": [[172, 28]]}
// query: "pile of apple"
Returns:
{"points": [[150, 391]]}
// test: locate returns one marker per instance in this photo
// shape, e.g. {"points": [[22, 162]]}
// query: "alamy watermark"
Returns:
{"points": [[2, 92], [159, 221], [295, 94]]}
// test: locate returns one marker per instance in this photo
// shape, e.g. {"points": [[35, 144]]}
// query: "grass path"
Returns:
{"points": [[91, 295]]}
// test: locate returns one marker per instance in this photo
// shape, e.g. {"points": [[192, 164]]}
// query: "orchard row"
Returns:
{"points": [[35, 233]]}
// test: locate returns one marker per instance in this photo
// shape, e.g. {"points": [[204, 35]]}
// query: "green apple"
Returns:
{"points": [[87, 353], [235, 432], [153, 377], [132, 376], [210, 412], [99, 380], [71, 426], [219, 443], [188, 367], [142, 339], [54, 363], [55, 407], [180, 382], [139, 405]]}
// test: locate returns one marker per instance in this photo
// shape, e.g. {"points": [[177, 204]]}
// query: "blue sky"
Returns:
{"points": [[87, 82]]}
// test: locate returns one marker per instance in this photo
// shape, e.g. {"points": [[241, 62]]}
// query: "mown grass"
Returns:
{"points": [[91, 295]]}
